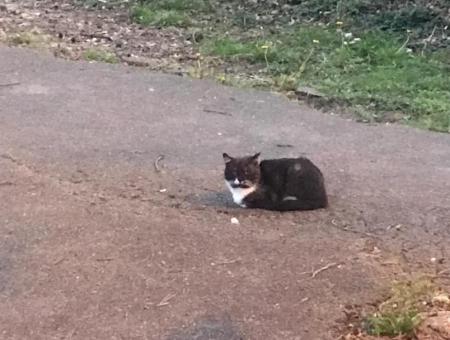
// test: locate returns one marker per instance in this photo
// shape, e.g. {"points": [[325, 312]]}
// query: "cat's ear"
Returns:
{"points": [[226, 158], [256, 157]]}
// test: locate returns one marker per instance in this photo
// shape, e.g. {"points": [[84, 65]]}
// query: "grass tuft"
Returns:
{"points": [[400, 314], [100, 55], [30, 39], [159, 17], [394, 324]]}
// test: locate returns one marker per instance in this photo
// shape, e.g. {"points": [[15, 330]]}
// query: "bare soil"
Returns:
{"points": [[68, 30]]}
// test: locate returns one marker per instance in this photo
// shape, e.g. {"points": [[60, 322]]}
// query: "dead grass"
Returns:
{"points": [[101, 55], [32, 39]]}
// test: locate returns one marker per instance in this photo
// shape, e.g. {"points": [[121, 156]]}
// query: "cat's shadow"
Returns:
{"points": [[221, 202], [213, 199]]}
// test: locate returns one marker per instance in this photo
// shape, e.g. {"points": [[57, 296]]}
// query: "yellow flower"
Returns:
{"points": [[339, 23], [221, 78], [316, 41]]}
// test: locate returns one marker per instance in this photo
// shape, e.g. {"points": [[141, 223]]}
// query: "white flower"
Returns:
{"points": [[348, 35]]}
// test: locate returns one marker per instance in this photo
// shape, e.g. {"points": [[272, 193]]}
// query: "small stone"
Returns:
{"points": [[234, 220]]}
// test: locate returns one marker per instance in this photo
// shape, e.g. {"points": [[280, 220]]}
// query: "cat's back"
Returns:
{"points": [[300, 164], [285, 170], [298, 181]]}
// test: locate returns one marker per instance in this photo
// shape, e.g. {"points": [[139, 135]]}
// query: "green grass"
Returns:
{"points": [[159, 17], [163, 13], [100, 55], [373, 71], [177, 5]]}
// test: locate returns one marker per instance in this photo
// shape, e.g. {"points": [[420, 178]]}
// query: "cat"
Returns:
{"points": [[284, 184]]}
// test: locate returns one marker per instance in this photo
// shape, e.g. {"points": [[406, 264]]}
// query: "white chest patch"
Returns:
{"points": [[239, 193]]}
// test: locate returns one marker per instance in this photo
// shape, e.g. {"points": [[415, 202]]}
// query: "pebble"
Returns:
{"points": [[234, 220]]}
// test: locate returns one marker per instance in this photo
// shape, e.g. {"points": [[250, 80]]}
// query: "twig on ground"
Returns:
{"points": [[427, 40], [445, 272], [107, 259], [403, 46], [225, 262], [223, 113], [320, 270], [307, 272], [9, 84], [335, 224], [159, 159], [97, 36], [59, 261], [313, 273], [9, 158], [166, 299]]}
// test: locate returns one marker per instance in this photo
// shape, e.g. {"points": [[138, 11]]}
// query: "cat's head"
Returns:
{"points": [[242, 172]]}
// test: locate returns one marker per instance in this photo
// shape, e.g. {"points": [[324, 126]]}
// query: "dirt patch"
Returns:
{"points": [[435, 327], [74, 32]]}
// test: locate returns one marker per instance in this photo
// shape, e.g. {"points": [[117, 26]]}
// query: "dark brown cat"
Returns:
{"points": [[276, 184]]}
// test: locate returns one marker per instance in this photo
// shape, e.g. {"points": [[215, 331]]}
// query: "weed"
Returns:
{"points": [[393, 324], [400, 314], [100, 55]]}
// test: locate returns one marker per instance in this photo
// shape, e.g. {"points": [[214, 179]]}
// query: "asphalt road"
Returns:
{"points": [[96, 242]]}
